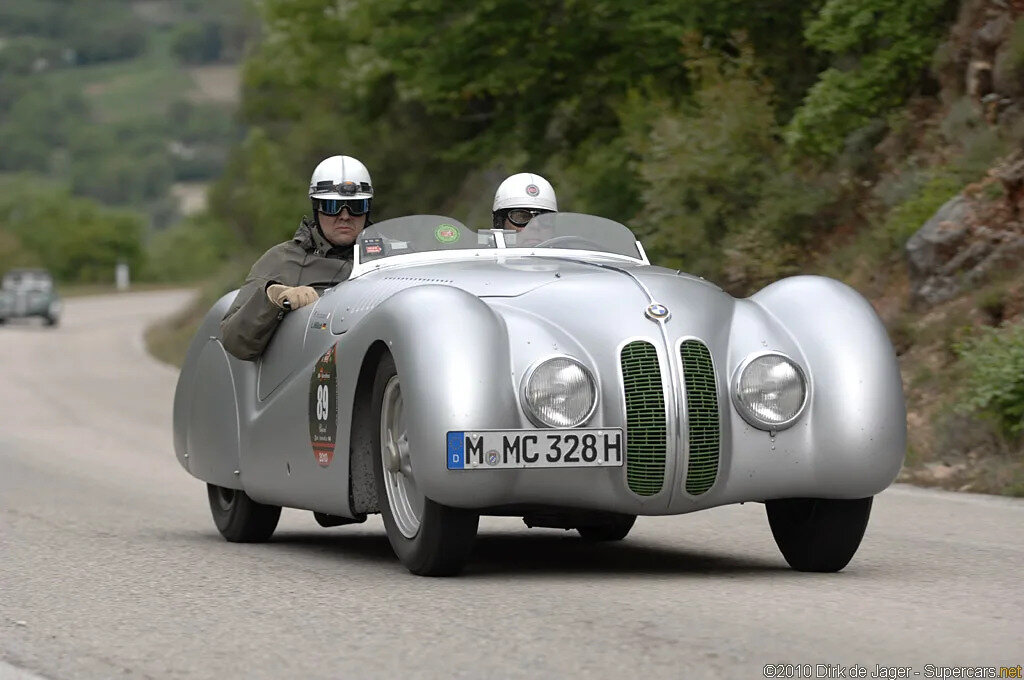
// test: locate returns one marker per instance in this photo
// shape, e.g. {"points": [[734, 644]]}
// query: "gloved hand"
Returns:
{"points": [[297, 296]]}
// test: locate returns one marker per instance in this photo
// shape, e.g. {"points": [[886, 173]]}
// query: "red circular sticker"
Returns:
{"points": [[532, 189], [323, 407]]}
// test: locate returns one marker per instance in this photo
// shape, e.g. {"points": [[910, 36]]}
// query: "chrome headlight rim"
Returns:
{"points": [[527, 408], [748, 417]]}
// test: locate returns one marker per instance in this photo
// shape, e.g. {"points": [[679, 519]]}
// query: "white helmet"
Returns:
{"points": [[525, 190], [340, 177]]}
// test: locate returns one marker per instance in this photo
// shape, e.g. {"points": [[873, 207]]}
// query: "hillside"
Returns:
{"points": [[120, 105]]}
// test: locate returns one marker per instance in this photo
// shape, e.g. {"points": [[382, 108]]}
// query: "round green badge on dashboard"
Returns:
{"points": [[447, 233]]}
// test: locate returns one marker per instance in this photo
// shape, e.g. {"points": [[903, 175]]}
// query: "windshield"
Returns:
{"points": [[574, 231], [27, 280], [431, 233], [419, 234]]}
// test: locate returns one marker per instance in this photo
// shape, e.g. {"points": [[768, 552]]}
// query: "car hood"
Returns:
{"points": [[599, 290]]}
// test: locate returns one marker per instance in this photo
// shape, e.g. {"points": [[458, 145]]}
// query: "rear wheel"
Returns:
{"points": [[239, 518], [430, 539], [818, 534], [614, 528]]}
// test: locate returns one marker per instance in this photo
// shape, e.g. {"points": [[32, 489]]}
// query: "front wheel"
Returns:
{"points": [[430, 539], [239, 518], [818, 534]]}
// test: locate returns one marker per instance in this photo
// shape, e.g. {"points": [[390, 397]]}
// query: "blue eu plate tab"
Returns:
{"points": [[456, 446]]}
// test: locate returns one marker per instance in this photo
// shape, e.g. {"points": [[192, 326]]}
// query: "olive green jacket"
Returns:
{"points": [[307, 259]]}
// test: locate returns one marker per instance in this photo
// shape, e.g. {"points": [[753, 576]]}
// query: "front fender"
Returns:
{"points": [[855, 426], [452, 355]]}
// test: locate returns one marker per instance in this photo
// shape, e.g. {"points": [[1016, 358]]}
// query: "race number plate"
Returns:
{"points": [[495, 449]]}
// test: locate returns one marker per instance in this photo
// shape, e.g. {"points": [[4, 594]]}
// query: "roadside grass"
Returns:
{"points": [[948, 447]]}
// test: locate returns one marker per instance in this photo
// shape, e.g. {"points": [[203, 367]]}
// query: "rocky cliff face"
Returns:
{"points": [[978, 234], [973, 237]]}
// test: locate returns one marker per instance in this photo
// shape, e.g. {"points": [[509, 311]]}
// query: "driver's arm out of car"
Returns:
{"points": [[251, 320]]}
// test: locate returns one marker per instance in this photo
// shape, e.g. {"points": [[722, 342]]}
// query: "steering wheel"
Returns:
{"points": [[577, 242]]}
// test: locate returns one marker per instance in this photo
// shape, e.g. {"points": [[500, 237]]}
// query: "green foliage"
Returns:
{"points": [[994, 360], [197, 43], [882, 49], [718, 198], [38, 122], [1015, 47], [258, 198], [76, 239], [23, 55], [100, 30], [189, 250], [905, 219]]}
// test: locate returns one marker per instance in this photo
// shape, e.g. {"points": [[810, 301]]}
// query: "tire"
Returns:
{"points": [[818, 534], [430, 539], [239, 518], [50, 320], [613, 529]]}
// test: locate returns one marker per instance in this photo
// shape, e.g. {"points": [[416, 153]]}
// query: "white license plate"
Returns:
{"points": [[495, 449]]}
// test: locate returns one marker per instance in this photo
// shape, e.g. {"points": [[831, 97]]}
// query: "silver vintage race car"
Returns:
{"points": [[552, 374]]}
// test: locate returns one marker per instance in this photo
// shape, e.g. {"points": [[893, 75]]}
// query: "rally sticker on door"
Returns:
{"points": [[323, 407]]}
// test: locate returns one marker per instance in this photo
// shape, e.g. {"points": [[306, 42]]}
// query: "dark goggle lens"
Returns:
{"points": [[521, 216], [333, 206]]}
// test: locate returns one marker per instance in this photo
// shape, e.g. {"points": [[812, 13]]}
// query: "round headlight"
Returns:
{"points": [[769, 391], [559, 392]]}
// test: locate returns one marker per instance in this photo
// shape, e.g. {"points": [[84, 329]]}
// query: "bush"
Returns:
{"points": [[190, 250], [905, 219], [197, 43], [75, 238], [882, 50], [994, 361]]}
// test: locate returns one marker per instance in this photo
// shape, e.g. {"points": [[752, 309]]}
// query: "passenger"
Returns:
{"points": [[520, 198], [341, 194]]}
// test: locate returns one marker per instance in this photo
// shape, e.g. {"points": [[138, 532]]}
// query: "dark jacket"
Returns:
{"points": [[307, 259]]}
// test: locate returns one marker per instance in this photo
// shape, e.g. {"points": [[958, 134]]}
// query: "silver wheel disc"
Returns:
{"points": [[404, 498]]}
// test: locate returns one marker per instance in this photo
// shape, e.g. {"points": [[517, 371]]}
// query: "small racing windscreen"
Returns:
{"points": [[574, 231], [419, 234]]}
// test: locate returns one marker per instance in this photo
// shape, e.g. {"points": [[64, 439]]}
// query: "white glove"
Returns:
{"points": [[295, 296]]}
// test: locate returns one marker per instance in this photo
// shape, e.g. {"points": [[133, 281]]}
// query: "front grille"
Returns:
{"points": [[645, 418], [702, 409]]}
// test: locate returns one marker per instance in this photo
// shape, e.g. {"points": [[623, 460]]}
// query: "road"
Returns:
{"points": [[110, 565]]}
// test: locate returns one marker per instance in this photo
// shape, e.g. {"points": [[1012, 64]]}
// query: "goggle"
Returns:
{"points": [[522, 216], [334, 206]]}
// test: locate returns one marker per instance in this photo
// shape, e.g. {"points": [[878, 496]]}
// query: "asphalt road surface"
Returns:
{"points": [[110, 565]]}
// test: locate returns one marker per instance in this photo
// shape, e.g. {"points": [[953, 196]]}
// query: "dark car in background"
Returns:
{"points": [[27, 293]]}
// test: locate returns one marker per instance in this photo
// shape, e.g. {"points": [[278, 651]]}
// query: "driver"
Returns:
{"points": [[341, 194], [520, 198]]}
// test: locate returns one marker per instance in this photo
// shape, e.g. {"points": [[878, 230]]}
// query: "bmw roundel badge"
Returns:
{"points": [[657, 312]]}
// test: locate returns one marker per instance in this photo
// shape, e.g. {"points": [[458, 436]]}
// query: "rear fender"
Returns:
{"points": [[206, 426]]}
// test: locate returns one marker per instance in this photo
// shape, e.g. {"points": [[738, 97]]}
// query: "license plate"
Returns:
{"points": [[496, 449]]}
